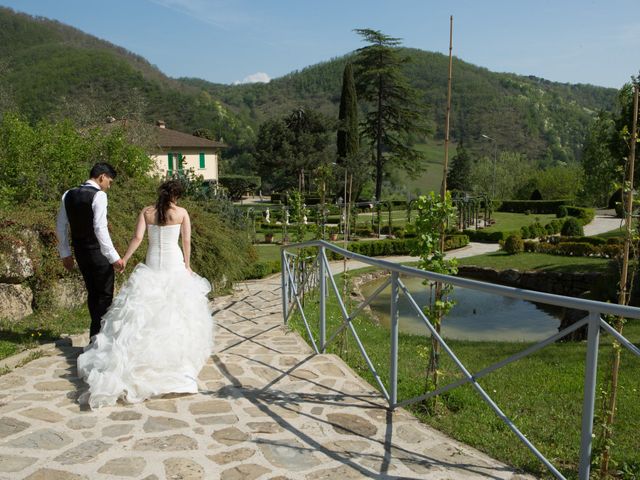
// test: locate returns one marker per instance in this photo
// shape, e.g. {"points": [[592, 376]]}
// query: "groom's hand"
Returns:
{"points": [[119, 266], [67, 262]]}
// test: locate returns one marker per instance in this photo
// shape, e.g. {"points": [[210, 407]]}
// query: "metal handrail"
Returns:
{"points": [[593, 322]]}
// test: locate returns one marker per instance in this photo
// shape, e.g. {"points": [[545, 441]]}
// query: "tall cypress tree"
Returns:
{"points": [[393, 115], [458, 174], [348, 139]]}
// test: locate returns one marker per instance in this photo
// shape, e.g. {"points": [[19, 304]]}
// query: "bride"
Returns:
{"points": [[158, 333]]}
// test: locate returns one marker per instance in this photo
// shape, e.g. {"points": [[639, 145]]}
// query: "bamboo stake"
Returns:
{"points": [[624, 295], [443, 188], [435, 345]]}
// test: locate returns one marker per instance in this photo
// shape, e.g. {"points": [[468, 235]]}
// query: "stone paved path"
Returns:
{"points": [[267, 409]]}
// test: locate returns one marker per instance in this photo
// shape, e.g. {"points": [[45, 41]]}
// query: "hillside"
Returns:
{"points": [[525, 114], [50, 70]]}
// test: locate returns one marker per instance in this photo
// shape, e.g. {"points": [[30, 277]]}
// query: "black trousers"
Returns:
{"points": [[98, 278]]}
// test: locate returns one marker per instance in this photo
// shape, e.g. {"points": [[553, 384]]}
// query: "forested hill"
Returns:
{"points": [[50, 70], [525, 114]]}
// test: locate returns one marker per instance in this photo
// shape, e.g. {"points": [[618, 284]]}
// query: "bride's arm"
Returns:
{"points": [[185, 231], [138, 236]]}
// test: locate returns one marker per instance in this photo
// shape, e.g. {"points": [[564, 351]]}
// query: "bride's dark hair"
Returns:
{"points": [[168, 192]]}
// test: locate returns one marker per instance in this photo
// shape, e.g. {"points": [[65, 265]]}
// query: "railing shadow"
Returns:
{"points": [[268, 397], [292, 290]]}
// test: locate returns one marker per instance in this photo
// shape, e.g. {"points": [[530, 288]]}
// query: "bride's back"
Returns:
{"points": [[174, 215], [163, 252]]}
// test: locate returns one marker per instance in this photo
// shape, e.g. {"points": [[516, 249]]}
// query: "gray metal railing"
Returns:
{"points": [[292, 293]]}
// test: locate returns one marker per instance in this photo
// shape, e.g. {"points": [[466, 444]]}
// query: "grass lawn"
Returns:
{"points": [[618, 232], [542, 393], [508, 222], [267, 252], [431, 178], [536, 261], [41, 327]]}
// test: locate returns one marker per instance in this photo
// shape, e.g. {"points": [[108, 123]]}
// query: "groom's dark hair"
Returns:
{"points": [[100, 168]]}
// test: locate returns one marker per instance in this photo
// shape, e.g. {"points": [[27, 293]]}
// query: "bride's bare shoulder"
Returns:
{"points": [[149, 213], [182, 212]]}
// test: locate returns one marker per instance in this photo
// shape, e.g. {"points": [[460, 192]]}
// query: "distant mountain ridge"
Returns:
{"points": [[526, 114], [48, 69]]}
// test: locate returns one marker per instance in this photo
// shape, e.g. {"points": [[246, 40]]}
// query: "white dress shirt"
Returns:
{"points": [[99, 207]]}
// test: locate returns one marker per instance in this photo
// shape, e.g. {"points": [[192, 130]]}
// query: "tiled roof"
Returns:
{"points": [[167, 138]]}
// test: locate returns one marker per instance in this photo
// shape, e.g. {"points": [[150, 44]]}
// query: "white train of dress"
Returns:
{"points": [[157, 334]]}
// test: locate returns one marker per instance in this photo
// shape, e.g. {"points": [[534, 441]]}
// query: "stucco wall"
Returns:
{"points": [[191, 161]]}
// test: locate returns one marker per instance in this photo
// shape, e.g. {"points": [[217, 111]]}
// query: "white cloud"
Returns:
{"points": [[258, 77]]}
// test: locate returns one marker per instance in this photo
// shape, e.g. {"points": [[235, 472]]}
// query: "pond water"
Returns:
{"points": [[476, 316]]}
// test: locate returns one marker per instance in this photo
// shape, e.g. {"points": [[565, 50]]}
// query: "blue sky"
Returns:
{"points": [[227, 41]]}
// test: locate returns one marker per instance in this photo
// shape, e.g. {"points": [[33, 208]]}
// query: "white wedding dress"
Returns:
{"points": [[157, 334]]}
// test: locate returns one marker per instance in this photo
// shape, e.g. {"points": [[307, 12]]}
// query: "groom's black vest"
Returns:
{"points": [[78, 204]]}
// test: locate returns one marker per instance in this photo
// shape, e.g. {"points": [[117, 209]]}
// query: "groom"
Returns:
{"points": [[84, 211]]}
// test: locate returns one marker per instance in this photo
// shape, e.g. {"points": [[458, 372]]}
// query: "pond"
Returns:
{"points": [[476, 316]]}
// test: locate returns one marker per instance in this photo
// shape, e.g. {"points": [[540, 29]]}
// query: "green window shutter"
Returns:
{"points": [[179, 161], [170, 168], [202, 164]]}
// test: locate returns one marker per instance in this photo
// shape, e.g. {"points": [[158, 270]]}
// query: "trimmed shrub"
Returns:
{"points": [[584, 215], [590, 240], [572, 228], [379, 248], [525, 232], [562, 212], [262, 269], [530, 246], [486, 237], [534, 206], [619, 210], [513, 244]]}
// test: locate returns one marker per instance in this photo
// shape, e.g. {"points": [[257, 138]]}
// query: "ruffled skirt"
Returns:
{"points": [[155, 338]]}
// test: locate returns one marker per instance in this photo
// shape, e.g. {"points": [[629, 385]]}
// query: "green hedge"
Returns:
{"points": [[380, 248], [262, 269], [584, 215], [532, 206], [575, 248], [487, 237], [372, 248]]}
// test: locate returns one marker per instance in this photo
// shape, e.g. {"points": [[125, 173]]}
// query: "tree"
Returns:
{"points": [[458, 176], [348, 151], [392, 117], [512, 172], [348, 137], [289, 146], [598, 162]]}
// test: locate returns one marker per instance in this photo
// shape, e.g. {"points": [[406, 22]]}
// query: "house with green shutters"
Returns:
{"points": [[177, 151]]}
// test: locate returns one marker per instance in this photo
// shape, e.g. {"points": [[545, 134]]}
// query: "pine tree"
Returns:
{"points": [[393, 115]]}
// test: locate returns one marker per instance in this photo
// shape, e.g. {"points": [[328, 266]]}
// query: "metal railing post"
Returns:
{"points": [[590, 373], [284, 285], [393, 371], [323, 301]]}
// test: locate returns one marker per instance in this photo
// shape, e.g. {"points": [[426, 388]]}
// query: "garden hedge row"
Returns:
{"points": [[372, 248], [532, 206], [574, 249]]}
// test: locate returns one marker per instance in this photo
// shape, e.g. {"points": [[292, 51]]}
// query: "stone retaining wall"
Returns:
{"points": [[571, 284], [21, 257], [559, 283]]}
